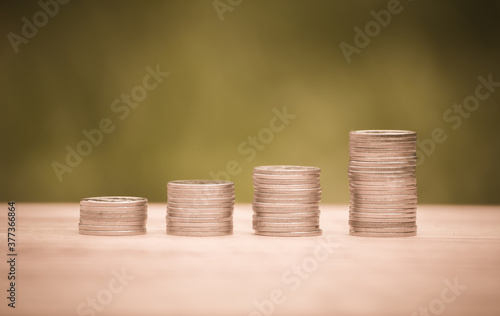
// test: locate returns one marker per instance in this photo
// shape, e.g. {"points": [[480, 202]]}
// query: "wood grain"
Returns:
{"points": [[58, 269]]}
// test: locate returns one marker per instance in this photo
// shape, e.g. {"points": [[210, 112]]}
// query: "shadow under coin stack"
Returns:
{"points": [[113, 216], [286, 201], [382, 183], [200, 208]]}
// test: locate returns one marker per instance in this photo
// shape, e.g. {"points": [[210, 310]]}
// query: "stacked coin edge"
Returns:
{"points": [[286, 201], [382, 183], [113, 216], [200, 208]]}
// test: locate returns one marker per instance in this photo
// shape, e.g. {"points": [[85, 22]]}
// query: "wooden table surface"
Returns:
{"points": [[451, 268]]}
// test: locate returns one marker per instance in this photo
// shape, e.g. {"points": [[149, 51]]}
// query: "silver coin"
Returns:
{"points": [[200, 192], [380, 159], [286, 200], [113, 214], [282, 219], [197, 202], [290, 234], [198, 219], [385, 229], [370, 176], [386, 219], [113, 201], [389, 149], [369, 172], [290, 225], [382, 133], [199, 229], [301, 194], [194, 184], [380, 217], [195, 199], [257, 180], [287, 169], [199, 214], [381, 152], [404, 168], [172, 224], [200, 209], [286, 187], [367, 234], [201, 195], [201, 205], [382, 212], [288, 229], [114, 208], [383, 190], [287, 190], [383, 199], [381, 143], [115, 219], [112, 233], [378, 224], [380, 205], [112, 223], [111, 227], [198, 234], [285, 205], [378, 164]]}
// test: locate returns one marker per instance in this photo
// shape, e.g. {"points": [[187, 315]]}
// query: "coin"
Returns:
{"points": [[199, 214], [114, 208], [389, 224], [290, 234], [199, 234], [287, 169], [112, 233], [200, 229], [284, 220], [111, 227], [113, 201], [200, 184], [367, 234], [113, 222], [286, 225], [195, 219], [173, 224]]}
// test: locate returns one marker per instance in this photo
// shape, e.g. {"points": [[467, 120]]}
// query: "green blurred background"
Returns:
{"points": [[225, 79]]}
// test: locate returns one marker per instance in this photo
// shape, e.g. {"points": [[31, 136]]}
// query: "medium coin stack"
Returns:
{"points": [[286, 201], [200, 208], [382, 183], [113, 216]]}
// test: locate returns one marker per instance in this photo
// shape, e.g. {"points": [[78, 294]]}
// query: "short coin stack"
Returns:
{"points": [[382, 183], [113, 216], [286, 201], [200, 208]]}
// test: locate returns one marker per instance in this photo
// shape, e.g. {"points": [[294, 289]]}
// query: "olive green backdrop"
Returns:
{"points": [[225, 78]]}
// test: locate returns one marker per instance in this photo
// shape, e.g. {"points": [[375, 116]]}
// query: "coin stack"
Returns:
{"points": [[286, 201], [382, 183], [113, 216], [200, 208]]}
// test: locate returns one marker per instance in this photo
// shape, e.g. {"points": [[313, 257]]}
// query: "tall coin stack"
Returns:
{"points": [[200, 208], [113, 216], [286, 201], [382, 183]]}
